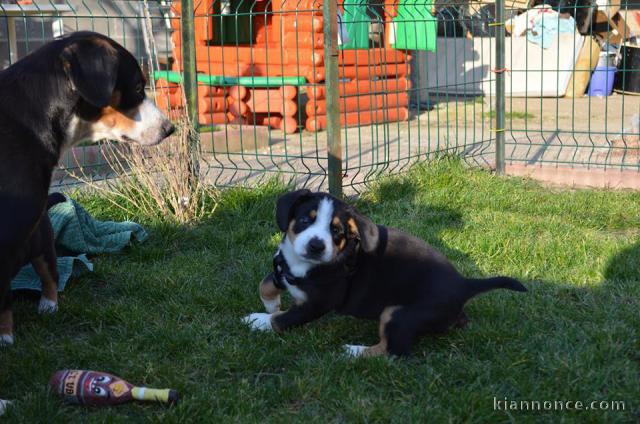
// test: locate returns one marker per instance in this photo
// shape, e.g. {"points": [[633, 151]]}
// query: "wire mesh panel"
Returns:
{"points": [[572, 108], [258, 63], [404, 95], [416, 83], [416, 80]]}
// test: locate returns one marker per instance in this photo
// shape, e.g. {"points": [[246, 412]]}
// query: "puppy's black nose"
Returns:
{"points": [[168, 128], [315, 246]]}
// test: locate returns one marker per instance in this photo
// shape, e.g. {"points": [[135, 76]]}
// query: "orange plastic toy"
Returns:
{"points": [[287, 40]]}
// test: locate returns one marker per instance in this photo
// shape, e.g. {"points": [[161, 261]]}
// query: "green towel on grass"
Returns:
{"points": [[77, 233], [68, 266]]}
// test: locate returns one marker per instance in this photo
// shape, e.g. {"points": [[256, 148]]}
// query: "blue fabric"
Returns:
{"points": [[76, 231], [68, 266], [548, 28], [76, 234]]}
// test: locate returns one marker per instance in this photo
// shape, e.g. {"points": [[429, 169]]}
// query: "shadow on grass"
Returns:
{"points": [[625, 266], [393, 203]]}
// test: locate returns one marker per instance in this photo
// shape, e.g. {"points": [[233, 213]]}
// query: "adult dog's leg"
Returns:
{"points": [[6, 315], [48, 273], [46, 267]]}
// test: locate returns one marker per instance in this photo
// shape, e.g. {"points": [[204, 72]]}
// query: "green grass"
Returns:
{"points": [[510, 115], [477, 100], [167, 313], [209, 128]]}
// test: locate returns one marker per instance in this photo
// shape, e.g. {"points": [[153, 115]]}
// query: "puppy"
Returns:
{"points": [[333, 258], [83, 86]]}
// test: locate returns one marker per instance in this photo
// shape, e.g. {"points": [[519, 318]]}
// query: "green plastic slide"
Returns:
{"points": [[357, 21], [415, 27], [176, 77]]}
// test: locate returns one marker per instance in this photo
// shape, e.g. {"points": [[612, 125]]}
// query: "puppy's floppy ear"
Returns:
{"points": [[364, 229], [92, 68], [285, 205]]}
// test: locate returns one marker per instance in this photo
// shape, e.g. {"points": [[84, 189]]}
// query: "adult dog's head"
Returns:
{"points": [[318, 226], [109, 90]]}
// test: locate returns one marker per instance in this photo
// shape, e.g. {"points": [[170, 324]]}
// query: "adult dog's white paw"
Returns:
{"points": [[4, 404], [47, 306], [354, 350], [258, 321], [6, 340], [272, 305]]}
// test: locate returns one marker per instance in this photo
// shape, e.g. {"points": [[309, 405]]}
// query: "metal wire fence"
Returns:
{"points": [[335, 95], [572, 86]]}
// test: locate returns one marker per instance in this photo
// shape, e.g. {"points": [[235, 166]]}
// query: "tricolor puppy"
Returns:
{"points": [[332, 258], [80, 87]]}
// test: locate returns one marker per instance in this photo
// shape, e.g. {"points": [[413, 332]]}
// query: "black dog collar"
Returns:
{"points": [[282, 272]]}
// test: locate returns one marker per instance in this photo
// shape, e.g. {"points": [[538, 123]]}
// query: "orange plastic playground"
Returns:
{"points": [[263, 64]]}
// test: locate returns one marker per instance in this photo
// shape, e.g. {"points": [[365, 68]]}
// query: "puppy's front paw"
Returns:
{"points": [[6, 340], [47, 306], [258, 321], [354, 350]]}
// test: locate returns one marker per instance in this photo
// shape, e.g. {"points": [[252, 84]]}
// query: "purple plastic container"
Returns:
{"points": [[601, 83]]}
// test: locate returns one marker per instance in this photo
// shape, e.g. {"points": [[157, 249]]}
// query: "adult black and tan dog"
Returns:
{"points": [[333, 258], [83, 86]]}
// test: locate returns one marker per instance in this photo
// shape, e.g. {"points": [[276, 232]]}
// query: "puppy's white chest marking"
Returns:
{"points": [[299, 295], [297, 268]]}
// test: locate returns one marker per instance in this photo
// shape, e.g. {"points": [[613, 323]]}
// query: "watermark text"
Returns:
{"points": [[505, 404]]}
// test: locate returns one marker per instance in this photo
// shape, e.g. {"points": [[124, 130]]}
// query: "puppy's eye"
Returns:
{"points": [[335, 230], [140, 88]]}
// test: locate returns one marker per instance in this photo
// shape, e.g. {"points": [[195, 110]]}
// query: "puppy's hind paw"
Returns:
{"points": [[258, 321], [47, 306], [354, 350], [6, 340]]}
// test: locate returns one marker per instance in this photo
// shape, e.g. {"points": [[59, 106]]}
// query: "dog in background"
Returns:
{"points": [[79, 87], [332, 258]]}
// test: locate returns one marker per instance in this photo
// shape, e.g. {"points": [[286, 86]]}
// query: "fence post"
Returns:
{"points": [[500, 87], [190, 82], [334, 144]]}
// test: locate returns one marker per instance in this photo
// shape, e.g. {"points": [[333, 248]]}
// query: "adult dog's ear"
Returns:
{"points": [[92, 68], [364, 229], [285, 204]]}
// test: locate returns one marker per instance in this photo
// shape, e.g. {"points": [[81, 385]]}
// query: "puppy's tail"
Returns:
{"points": [[481, 285]]}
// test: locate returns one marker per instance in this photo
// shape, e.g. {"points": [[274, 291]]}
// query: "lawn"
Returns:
{"points": [[166, 313]]}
